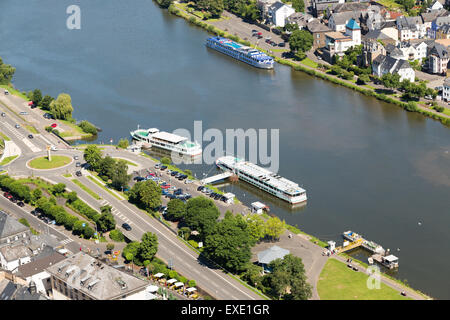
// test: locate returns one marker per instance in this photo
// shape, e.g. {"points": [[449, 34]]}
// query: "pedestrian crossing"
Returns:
{"points": [[21, 137], [115, 212], [66, 241]]}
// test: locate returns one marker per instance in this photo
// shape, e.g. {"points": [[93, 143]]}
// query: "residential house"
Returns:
{"points": [[338, 42], [446, 90], [12, 256], [348, 7], [338, 21], [82, 277], [279, 12], [10, 290], [318, 31], [35, 271], [410, 28], [443, 32], [372, 19], [428, 17], [436, 24], [386, 64], [267, 256], [319, 7], [371, 49], [11, 230], [438, 57], [263, 6], [437, 5], [299, 18]]}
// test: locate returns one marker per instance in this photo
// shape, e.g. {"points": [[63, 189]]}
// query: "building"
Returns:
{"points": [[35, 271], [11, 230], [437, 5], [299, 18], [338, 21], [267, 256], [278, 12], [436, 24], [380, 36], [446, 90], [443, 32], [438, 57], [408, 50], [386, 64], [320, 7], [338, 42], [410, 28], [361, 7], [371, 49], [318, 31], [13, 256], [263, 6], [428, 17], [82, 277]]}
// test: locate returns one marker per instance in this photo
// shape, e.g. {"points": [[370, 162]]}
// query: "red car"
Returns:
{"points": [[54, 125], [30, 103], [152, 174], [167, 186]]}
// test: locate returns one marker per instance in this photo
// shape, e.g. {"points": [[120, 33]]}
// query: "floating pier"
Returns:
{"points": [[354, 240], [217, 177]]}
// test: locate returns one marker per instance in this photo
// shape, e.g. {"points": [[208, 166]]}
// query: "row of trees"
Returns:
{"points": [[108, 168], [140, 252], [411, 91], [61, 108], [300, 42]]}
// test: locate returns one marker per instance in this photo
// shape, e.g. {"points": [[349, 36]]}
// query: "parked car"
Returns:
{"points": [[3, 114], [78, 164], [157, 166], [53, 125], [17, 126], [6, 92], [187, 181], [282, 44], [163, 168], [174, 173], [78, 173], [178, 191], [20, 204], [24, 113], [200, 188], [138, 178], [126, 226], [169, 171]]}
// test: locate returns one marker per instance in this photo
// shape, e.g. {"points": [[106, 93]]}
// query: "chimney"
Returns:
{"points": [[32, 287]]}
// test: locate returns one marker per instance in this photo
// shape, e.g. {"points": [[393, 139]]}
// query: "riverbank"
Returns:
{"points": [[310, 68]]}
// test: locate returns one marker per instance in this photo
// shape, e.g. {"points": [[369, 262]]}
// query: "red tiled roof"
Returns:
{"points": [[395, 15]]}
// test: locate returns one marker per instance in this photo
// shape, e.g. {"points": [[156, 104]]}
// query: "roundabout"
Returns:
{"points": [[42, 163]]}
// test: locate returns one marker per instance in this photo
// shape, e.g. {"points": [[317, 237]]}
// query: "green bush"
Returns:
{"points": [[24, 222], [193, 243], [439, 108], [88, 127], [116, 236], [83, 209]]}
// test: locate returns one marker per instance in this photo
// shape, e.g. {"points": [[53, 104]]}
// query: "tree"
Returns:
{"points": [[229, 243], [164, 3], [107, 167], [72, 196], [106, 220], [146, 194], [6, 72], [289, 27], [300, 40], [363, 79], [391, 81], [176, 209], [274, 227], [110, 246], [215, 7], [123, 143], [166, 160], [36, 194], [116, 235], [61, 108], [148, 246], [120, 177], [201, 215], [192, 283], [298, 5], [93, 156], [131, 248], [58, 188], [256, 227], [185, 233], [88, 127], [45, 102], [37, 96], [288, 279], [253, 275]]}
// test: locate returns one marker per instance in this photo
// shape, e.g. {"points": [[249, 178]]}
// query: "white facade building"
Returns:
{"points": [[279, 12]]}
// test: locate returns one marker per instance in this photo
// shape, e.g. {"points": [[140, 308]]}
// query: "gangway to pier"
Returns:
{"points": [[352, 245], [217, 177]]}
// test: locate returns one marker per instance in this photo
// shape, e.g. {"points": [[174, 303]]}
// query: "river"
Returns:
{"points": [[367, 166]]}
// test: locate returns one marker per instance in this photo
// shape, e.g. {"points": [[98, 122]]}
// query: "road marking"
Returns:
{"points": [[30, 145], [67, 241]]}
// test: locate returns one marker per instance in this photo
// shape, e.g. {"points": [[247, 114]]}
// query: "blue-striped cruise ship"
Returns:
{"points": [[243, 53]]}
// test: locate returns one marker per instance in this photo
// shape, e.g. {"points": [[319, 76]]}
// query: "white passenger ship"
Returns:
{"points": [[167, 141], [263, 179]]}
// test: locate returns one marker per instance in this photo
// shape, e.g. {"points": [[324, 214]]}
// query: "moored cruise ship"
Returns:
{"points": [[246, 54], [263, 179], [167, 141]]}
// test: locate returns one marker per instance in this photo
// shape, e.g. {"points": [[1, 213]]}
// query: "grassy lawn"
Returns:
{"points": [[7, 160], [103, 187], [14, 91], [4, 137], [76, 130], [67, 175], [308, 62], [338, 282], [43, 163], [82, 186], [31, 129], [390, 4]]}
